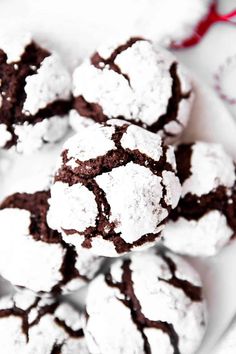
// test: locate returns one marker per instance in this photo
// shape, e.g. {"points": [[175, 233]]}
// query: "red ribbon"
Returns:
{"points": [[202, 28]]}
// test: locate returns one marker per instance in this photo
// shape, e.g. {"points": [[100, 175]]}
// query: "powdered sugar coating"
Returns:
{"points": [[136, 138], [81, 147], [210, 168], [136, 84], [77, 200], [5, 136], [33, 261], [35, 94], [172, 187], [40, 264], [32, 137], [137, 213], [203, 222], [40, 326], [117, 185], [203, 237], [13, 43], [78, 124], [144, 281], [51, 81]]}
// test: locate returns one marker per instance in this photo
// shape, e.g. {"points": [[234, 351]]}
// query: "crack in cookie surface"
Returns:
{"points": [[86, 172], [24, 314], [132, 302], [154, 301], [194, 207], [193, 292], [95, 111], [12, 91], [100, 62], [37, 205], [172, 106], [36, 316]]}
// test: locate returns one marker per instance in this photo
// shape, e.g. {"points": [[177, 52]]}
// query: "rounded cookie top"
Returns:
{"points": [[204, 220], [154, 303], [117, 184], [30, 324], [35, 93], [41, 260], [136, 81]]}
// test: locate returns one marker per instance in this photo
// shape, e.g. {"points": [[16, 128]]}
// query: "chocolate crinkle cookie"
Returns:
{"points": [[35, 257], [114, 189], [205, 218], [147, 303], [35, 94], [136, 81], [30, 324]]}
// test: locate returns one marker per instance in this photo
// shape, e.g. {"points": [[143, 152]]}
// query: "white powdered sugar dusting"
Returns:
{"points": [[159, 341], [105, 83], [87, 263], [149, 78], [170, 157], [104, 309], [123, 193], [136, 138], [185, 315], [77, 122], [159, 301], [189, 236], [71, 207], [173, 188], [13, 43], [102, 247], [140, 212], [46, 333], [36, 264], [51, 82], [144, 98], [5, 135], [211, 167], [139, 91], [106, 49], [184, 111], [182, 272], [89, 143], [185, 79], [32, 137], [57, 126]]}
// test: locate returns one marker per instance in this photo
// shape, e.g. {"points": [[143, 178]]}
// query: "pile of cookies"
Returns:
{"points": [[123, 194]]}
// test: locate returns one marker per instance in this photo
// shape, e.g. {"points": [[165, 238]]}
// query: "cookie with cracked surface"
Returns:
{"points": [[35, 257], [136, 81], [35, 94], [30, 324], [154, 303], [114, 189], [204, 220]]}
